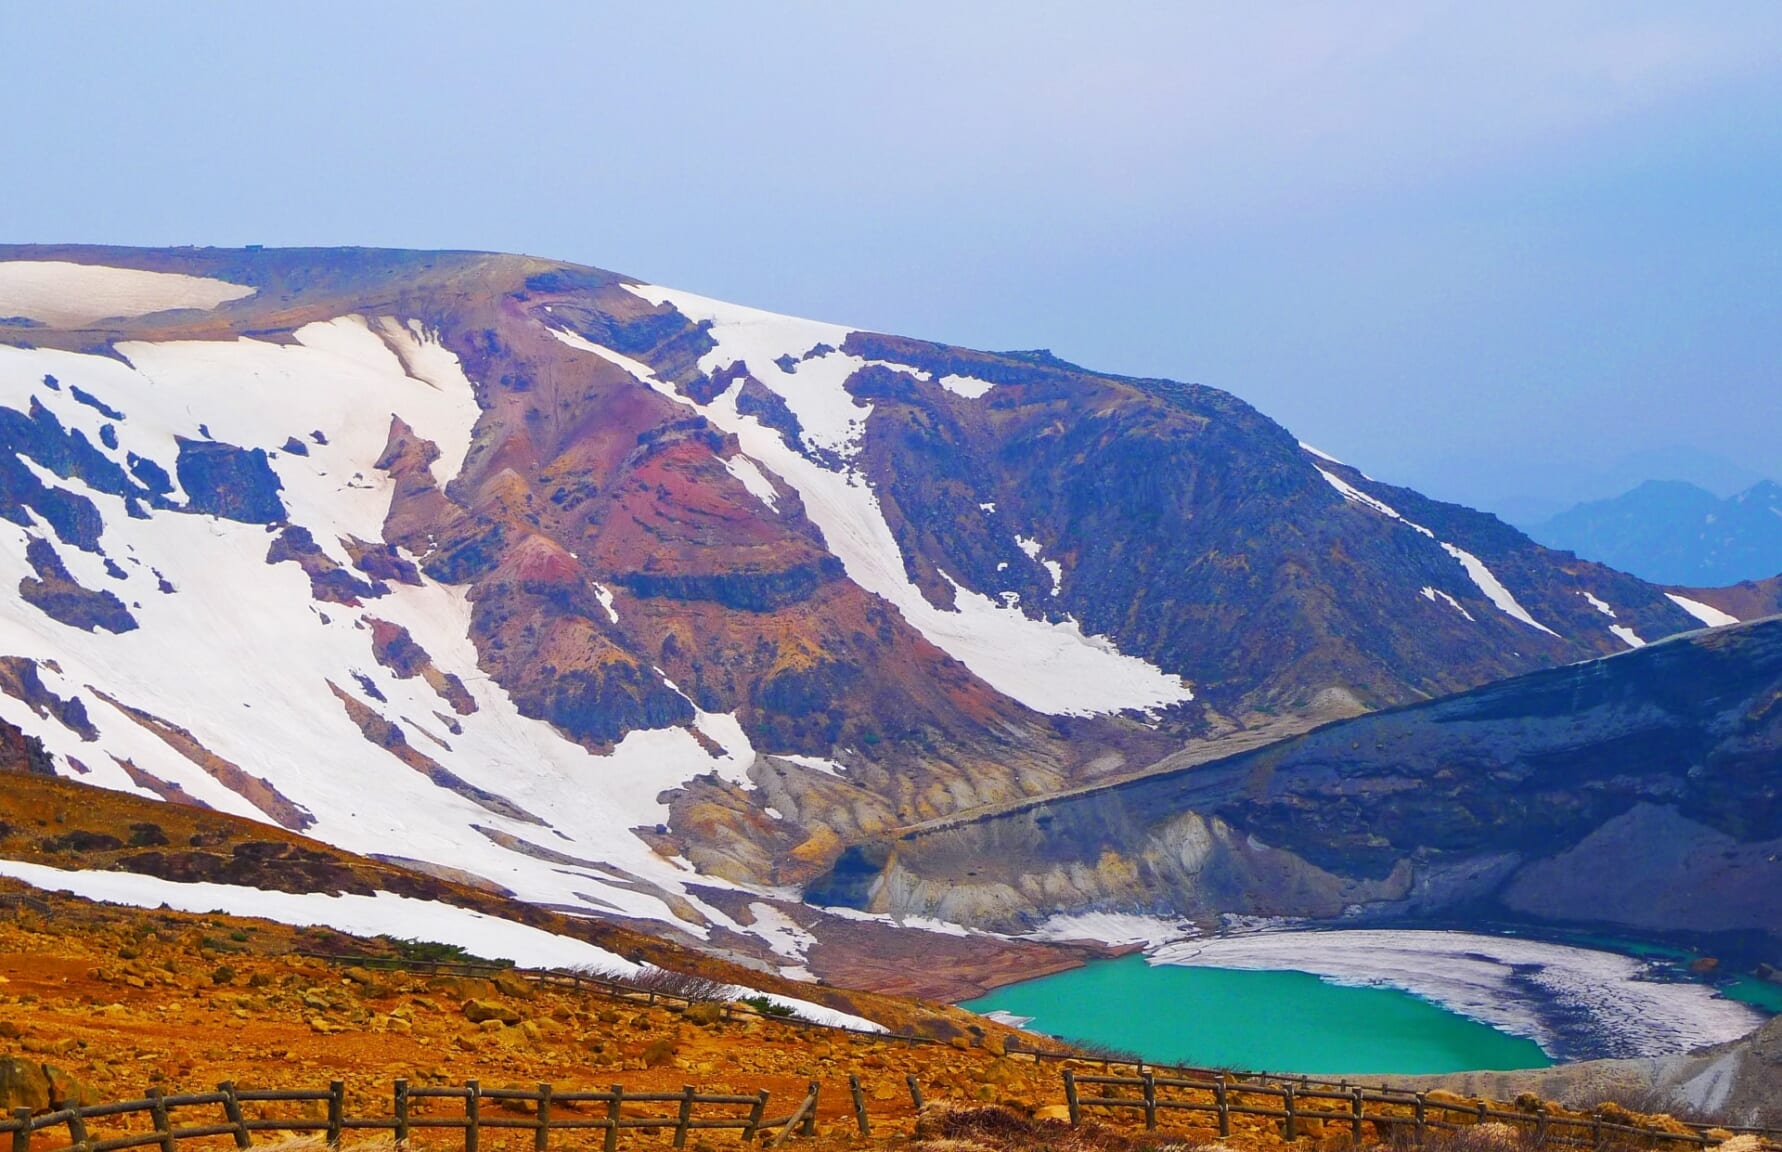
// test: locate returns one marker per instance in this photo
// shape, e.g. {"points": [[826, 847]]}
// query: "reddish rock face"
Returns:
{"points": [[630, 563]]}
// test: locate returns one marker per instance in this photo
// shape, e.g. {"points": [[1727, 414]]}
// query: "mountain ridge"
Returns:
{"points": [[1673, 532], [1635, 791], [609, 593]]}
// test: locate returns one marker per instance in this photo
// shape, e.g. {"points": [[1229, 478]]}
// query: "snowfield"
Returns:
{"points": [[237, 652], [65, 295]]}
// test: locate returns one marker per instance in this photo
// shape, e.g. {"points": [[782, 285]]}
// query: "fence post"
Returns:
{"points": [[1541, 1126], [1422, 1117], [402, 1111], [232, 1109], [473, 1115], [1355, 1111], [1150, 1099], [336, 1111], [686, 1117], [21, 1136], [163, 1122], [1222, 1101], [859, 1105], [1070, 1097], [541, 1139], [810, 1118], [755, 1111], [915, 1091], [77, 1132], [1291, 1127], [613, 1107], [1596, 1129]]}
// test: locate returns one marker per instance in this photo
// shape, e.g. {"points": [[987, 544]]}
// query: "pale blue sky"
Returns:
{"points": [[1487, 250]]}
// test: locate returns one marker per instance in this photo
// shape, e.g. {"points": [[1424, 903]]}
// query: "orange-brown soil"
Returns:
{"points": [[123, 1000]]}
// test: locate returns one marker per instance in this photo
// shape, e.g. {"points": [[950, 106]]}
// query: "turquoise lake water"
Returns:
{"points": [[1274, 1021]]}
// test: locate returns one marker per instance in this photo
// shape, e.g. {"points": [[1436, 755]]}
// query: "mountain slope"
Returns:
{"points": [[1676, 533], [1640, 791], [616, 597]]}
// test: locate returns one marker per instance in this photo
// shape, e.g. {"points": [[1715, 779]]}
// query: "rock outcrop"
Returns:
{"points": [[1638, 791]]}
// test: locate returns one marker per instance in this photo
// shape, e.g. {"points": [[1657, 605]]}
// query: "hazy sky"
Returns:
{"points": [[1490, 250]]}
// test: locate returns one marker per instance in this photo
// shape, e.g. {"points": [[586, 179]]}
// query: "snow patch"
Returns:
{"points": [[1115, 928], [1600, 605], [783, 934], [1008, 1019], [65, 295], [605, 595], [1430, 594], [1493, 588], [1627, 636], [814, 763], [969, 387], [1053, 568], [759, 486], [1352, 493], [380, 914], [1709, 616]]}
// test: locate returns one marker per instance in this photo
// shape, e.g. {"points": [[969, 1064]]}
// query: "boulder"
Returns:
{"points": [[477, 1011], [23, 1085], [705, 1012], [65, 1089]]}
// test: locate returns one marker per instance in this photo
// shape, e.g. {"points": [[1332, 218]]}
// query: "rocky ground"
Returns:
{"points": [[101, 1003]]}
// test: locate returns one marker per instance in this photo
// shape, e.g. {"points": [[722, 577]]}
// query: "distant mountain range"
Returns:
{"points": [[1673, 532]]}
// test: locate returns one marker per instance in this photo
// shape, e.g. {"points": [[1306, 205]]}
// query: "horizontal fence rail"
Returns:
{"points": [[1299, 1105], [541, 1111], [1304, 1109]]}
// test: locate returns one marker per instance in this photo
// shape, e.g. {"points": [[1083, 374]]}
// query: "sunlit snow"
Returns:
{"points": [[969, 387], [242, 656], [1710, 616], [1050, 667], [62, 294]]}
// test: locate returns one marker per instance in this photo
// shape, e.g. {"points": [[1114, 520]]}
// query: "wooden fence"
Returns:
{"points": [[1307, 1108], [544, 1110]]}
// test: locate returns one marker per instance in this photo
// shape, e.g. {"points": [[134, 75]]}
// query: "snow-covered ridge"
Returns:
{"points": [[1050, 667], [66, 295]]}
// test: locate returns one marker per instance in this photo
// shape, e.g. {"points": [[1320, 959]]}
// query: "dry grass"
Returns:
{"points": [[991, 1128], [666, 982], [317, 1143]]}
